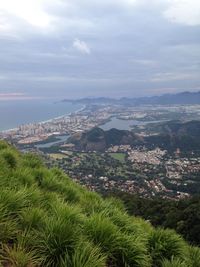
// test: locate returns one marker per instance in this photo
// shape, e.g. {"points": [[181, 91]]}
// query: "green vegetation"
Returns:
{"points": [[182, 215], [118, 156], [46, 220], [57, 156]]}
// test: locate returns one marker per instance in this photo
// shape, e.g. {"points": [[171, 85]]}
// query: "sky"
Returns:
{"points": [[90, 48]]}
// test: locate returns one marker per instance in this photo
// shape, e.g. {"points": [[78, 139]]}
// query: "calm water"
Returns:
{"points": [[15, 113], [125, 124], [120, 124], [62, 138]]}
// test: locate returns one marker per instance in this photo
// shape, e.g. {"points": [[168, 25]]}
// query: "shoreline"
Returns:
{"points": [[45, 121]]}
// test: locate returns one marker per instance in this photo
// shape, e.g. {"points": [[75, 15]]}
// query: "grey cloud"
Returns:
{"points": [[124, 48]]}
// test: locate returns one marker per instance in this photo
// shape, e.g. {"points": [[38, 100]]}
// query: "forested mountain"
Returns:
{"points": [[98, 139], [170, 136], [176, 134]]}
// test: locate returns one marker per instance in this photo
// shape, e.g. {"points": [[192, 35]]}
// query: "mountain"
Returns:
{"points": [[170, 135], [97, 139], [182, 98], [177, 134], [47, 220]]}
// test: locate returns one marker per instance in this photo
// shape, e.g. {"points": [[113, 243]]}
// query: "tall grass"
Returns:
{"points": [[46, 220], [165, 244], [17, 256], [56, 241], [194, 257], [88, 255], [10, 157], [175, 263]]}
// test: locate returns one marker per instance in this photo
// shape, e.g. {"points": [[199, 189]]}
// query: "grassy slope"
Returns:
{"points": [[48, 220], [118, 156]]}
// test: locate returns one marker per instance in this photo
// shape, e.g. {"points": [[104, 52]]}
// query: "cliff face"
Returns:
{"points": [[46, 220]]}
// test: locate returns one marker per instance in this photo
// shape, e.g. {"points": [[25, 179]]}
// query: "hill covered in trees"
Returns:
{"points": [[48, 220], [182, 215], [166, 135], [99, 140], [176, 134]]}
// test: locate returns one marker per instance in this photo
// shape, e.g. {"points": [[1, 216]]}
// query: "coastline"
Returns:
{"points": [[63, 116], [45, 121]]}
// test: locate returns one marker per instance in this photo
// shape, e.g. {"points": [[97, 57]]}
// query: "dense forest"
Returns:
{"points": [[48, 220], [182, 215]]}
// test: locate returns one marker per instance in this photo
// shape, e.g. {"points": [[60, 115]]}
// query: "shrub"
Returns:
{"points": [[193, 259], [174, 263], [8, 227], [3, 145], [22, 176], [56, 241], [13, 201], [32, 218], [32, 161], [131, 251], [165, 244], [10, 158], [17, 256], [102, 232], [88, 255]]}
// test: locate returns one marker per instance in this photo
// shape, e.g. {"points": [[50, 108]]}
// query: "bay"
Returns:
{"points": [[14, 113]]}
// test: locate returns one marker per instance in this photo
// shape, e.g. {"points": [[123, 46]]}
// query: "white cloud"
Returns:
{"points": [[31, 11], [81, 46], [174, 76], [183, 12]]}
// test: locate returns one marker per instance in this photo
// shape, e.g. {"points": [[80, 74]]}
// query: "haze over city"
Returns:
{"points": [[74, 49]]}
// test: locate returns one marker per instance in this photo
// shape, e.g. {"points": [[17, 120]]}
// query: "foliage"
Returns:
{"points": [[182, 215], [46, 220]]}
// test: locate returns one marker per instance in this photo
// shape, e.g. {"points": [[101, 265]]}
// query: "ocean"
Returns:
{"points": [[17, 112]]}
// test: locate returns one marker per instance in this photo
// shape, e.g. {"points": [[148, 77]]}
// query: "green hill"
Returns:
{"points": [[170, 136], [176, 134], [99, 140], [48, 220]]}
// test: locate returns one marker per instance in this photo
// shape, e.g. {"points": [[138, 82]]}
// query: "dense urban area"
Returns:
{"points": [[133, 168]]}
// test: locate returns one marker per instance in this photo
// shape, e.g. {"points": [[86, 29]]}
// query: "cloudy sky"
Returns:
{"points": [[78, 48]]}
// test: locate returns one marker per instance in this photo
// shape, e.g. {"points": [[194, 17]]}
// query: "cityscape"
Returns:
{"points": [[130, 168]]}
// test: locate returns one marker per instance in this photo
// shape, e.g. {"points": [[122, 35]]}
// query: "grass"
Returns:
{"points": [[58, 156], [46, 220], [118, 156]]}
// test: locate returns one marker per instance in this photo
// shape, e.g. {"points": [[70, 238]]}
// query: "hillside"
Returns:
{"points": [[169, 135], [180, 215], [48, 220], [99, 140], [176, 134]]}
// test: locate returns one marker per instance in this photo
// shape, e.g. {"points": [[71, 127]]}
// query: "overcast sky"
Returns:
{"points": [[78, 48]]}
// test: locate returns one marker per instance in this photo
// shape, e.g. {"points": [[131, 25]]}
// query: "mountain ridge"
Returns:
{"points": [[182, 98], [171, 135]]}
